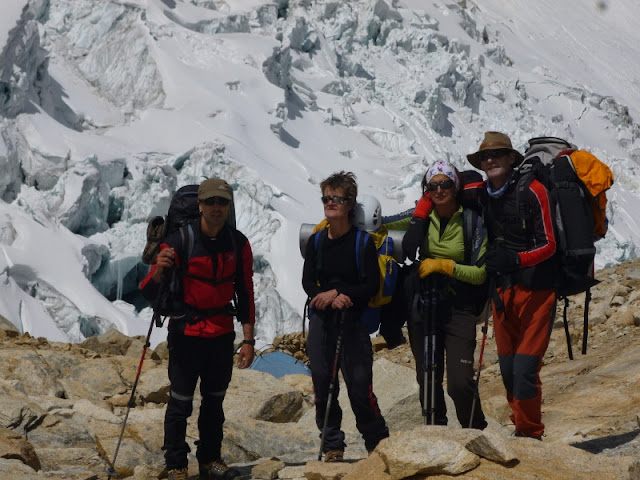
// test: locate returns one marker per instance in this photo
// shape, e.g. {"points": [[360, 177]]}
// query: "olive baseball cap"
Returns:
{"points": [[493, 141], [214, 187]]}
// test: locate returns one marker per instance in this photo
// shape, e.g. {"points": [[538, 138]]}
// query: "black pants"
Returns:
{"points": [[455, 335], [190, 358], [356, 363]]}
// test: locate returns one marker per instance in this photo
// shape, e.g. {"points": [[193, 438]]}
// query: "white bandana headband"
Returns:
{"points": [[443, 168]]}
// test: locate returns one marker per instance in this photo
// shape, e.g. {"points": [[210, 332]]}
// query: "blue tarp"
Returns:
{"points": [[279, 364]]}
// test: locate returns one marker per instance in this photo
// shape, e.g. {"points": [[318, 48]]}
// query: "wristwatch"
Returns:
{"points": [[249, 342]]}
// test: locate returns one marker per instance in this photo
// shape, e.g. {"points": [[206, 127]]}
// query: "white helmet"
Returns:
{"points": [[367, 213]]}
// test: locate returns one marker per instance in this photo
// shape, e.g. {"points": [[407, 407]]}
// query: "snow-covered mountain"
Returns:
{"points": [[109, 105]]}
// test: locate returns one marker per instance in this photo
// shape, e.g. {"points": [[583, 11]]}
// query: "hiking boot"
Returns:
{"points": [[178, 474], [518, 433], [333, 456], [396, 343], [217, 470]]}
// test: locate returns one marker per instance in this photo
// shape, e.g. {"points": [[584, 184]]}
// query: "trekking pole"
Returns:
{"points": [[434, 309], [566, 327], [429, 362], [426, 314], [154, 320], [485, 330], [585, 333], [334, 379]]}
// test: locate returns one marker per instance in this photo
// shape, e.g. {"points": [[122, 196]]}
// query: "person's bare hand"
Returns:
{"points": [[323, 300], [164, 259], [341, 302], [245, 356]]}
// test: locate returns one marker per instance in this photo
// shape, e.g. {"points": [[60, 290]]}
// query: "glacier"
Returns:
{"points": [[108, 106]]}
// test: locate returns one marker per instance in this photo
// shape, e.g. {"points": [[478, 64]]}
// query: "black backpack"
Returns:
{"points": [[548, 159], [183, 209]]}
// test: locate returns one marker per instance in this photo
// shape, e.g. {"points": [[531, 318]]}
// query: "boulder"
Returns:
{"points": [[112, 342], [247, 440], [15, 446], [271, 399], [326, 471], [267, 470], [10, 468], [371, 468], [421, 452], [154, 385], [17, 411], [31, 373]]}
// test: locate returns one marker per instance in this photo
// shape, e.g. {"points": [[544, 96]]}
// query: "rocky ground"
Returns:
{"points": [[62, 407]]}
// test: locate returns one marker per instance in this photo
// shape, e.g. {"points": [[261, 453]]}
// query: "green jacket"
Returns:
{"points": [[401, 225], [451, 245]]}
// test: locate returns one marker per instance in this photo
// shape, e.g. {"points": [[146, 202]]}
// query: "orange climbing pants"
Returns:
{"points": [[522, 332]]}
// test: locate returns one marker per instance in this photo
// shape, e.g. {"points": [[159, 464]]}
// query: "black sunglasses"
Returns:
{"points": [[497, 153], [335, 198], [223, 202], [444, 184]]}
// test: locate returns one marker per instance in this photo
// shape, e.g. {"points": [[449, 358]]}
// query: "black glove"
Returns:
{"points": [[501, 260]]}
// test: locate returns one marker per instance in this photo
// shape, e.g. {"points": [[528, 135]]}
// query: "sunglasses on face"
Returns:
{"points": [[223, 202], [335, 199], [444, 184], [498, 153]]}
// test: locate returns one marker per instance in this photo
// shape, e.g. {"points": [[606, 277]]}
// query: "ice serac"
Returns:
{"points": [[21, 62], [110, 46], [21, 58]]}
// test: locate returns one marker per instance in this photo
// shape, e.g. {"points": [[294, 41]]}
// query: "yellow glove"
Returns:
{"points": [[431, 265]]}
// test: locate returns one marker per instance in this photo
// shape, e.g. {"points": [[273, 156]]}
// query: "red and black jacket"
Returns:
{"points": [[210, 279], [523, 223]]}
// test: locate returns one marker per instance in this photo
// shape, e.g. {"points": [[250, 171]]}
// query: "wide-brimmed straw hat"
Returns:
{"points": [[493, 141]]}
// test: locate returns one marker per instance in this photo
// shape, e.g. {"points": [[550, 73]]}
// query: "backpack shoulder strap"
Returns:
{"points": [[236, 252], [362, 238], [469, 221], [524, 209], [318, 244], [239, 277], [187, 239], [319, 239], [424, 247]]}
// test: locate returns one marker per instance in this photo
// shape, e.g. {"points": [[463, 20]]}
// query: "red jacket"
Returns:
{"points": [[210, 280]]}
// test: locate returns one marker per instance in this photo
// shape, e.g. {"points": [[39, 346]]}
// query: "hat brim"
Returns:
{"points": [[216, 194], [474, 158]]}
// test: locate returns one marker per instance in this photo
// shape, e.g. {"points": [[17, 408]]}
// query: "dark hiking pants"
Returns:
{"points": [[190, 358], [356, 363], [455, 342]]}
